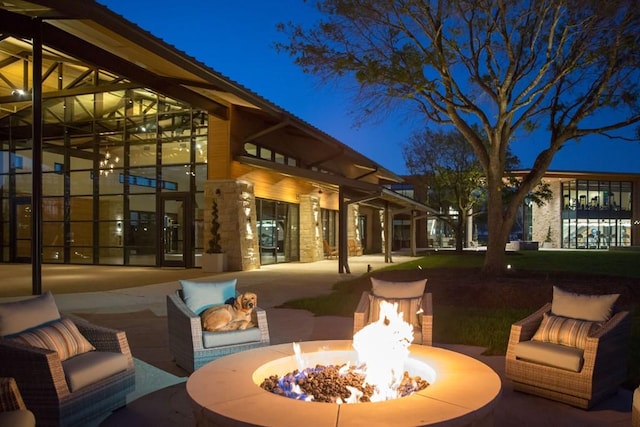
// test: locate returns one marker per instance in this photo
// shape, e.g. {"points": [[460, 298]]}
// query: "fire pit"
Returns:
{"points": [[226, 392]]}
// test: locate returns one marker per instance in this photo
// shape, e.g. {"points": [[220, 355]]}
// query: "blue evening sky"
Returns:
{"points": [[236, 39]]}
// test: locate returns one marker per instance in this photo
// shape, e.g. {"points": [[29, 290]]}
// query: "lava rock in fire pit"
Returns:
{"points": [[330, 384]]}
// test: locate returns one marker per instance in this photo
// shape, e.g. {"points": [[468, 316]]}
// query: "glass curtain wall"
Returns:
{"points": [[596, 214], [107, 157]]}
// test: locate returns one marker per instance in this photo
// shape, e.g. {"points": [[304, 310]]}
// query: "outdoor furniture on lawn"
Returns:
{"points": [[413, 302], [13, 411], [573, 350], [69, 371], [329, 251], [189, 344]]}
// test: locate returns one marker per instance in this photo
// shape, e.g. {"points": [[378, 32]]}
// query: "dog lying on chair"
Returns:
{"points": [[230, 317]]}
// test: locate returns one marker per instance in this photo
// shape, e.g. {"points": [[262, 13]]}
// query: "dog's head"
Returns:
{"points": [[246, 302]]}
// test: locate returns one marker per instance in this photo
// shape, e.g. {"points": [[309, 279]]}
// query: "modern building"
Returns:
{"points": [[114, 144], [589, 210]]}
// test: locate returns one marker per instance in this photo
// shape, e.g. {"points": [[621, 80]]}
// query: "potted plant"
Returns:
{"points": [[214, 259], [548, 241]]}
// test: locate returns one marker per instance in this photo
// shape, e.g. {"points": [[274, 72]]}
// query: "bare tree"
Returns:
{"points": [[561, 67]]}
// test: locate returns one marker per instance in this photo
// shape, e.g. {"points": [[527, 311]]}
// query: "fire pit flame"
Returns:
{"points": [[382, 350], [383, 347]]}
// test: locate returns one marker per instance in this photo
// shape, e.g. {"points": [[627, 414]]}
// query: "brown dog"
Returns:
{"points": [[229, 317]]}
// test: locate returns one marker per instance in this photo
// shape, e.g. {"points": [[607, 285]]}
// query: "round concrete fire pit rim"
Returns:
{"points": [[224, 392]]}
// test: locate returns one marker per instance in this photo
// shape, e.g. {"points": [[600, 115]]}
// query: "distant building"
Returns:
{"points": [[588, 210]]}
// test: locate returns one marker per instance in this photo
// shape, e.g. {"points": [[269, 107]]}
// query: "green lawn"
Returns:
{"points": [[490, 327]]}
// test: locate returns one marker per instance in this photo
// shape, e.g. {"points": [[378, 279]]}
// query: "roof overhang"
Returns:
{"points": [[357, 191], [91, 32]]}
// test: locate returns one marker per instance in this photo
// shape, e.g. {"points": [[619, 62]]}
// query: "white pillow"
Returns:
{"points": [[199, 296], [385, 289], [18, 316], [594, 308]]}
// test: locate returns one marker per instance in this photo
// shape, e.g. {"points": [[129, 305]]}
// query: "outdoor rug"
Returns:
{"points": [[149, 379]]}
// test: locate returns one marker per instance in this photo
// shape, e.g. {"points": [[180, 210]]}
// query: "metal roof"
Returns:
{"points": [[89, 32]]}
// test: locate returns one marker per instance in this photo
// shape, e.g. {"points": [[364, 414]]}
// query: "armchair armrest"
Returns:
{"points": [[10, 397], [38, 371], [259, 317], [185, 327], [523, 330], [361, 315], [104, 339], [427, 319], [608, 347]]}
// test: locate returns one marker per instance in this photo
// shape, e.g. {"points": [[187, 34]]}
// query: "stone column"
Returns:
{"points": [[311, 248], [238, 220]]}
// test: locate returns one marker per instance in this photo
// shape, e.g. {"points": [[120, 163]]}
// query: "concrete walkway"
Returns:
{"points": [[141, 312]]}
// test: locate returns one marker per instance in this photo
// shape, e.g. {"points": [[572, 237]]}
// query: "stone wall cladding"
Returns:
{"points": [[237, 217], [310, 229], [548, 215]]}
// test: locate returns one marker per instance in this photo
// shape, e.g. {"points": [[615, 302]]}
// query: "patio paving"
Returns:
{"points": [[141, 312]]}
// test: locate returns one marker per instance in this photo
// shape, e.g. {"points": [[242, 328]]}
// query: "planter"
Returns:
{"points": [[214, 263]]}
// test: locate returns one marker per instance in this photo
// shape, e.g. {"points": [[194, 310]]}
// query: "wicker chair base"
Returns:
{"points": [[576, 401]]}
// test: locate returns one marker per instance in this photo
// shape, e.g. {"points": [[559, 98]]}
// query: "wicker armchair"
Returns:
{"points": [[422, 335], [40, 375], [635, 409], [13, 411], [187, 340], [604, 365]]}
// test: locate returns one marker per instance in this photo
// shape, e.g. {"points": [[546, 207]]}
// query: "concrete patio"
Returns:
{"points": [[141, 312]]}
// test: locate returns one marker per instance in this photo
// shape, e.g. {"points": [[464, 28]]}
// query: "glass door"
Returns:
{"points": [[278, 231], [175, 248]]}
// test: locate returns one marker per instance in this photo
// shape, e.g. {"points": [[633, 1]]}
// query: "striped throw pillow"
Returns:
{"points": [[564, 331], [61, 336]]}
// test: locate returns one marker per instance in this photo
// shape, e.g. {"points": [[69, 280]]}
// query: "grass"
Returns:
{"points": [[489, 327]]}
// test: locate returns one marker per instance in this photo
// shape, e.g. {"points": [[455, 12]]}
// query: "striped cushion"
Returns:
{"points": [[409, 307], [61, 336], [563, 330]]}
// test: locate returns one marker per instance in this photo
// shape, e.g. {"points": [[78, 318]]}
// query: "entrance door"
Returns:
{"points": [[278, 231], [22, 240], [175, 248]]}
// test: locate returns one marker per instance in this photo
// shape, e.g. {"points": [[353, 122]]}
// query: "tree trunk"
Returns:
{"points": [[460, 234], [498, 230]]}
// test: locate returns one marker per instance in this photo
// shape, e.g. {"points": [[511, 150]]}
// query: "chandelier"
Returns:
{"points": [[108, 163]]}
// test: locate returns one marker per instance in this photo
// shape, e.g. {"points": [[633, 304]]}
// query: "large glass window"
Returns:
{"points": [[596, 214], [101, 174]]}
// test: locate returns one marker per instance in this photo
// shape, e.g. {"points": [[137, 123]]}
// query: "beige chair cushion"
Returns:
{"points": [[544, 353], [564, 331], [18, 316], [221, 339], [61, 336], [88, 368], [385, 289], [409, 307], [595, 308], [19, 418]]}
